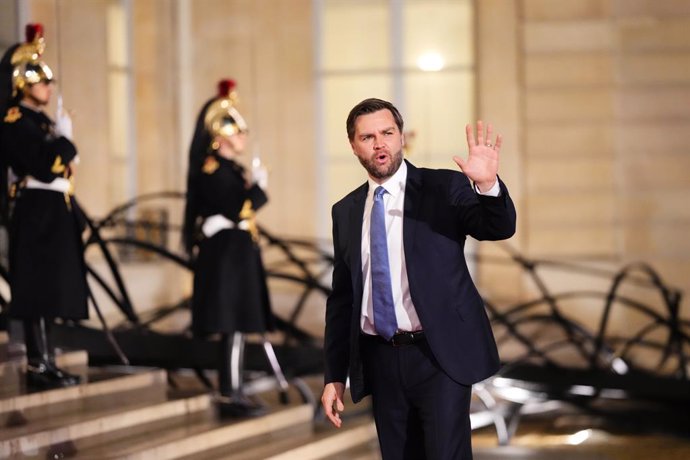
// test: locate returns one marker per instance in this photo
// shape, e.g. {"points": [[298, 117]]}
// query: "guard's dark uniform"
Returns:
{"points": [[230, 292], [230, 295], [46, 257], [47, 271]]}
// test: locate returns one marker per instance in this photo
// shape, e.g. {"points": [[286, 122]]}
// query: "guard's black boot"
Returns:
{"points": [[231, 401], [43, 376], [41, 372], [67, 378], [238, 406]]}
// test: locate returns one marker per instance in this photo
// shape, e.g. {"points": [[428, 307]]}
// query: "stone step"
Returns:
{"points": [[99, 384], [321, 437], [191, 440], [314, 442], [368, 451], [67, 432], [262, 446], [330, 444], [10, 352], [318, 439], [51, 416]]}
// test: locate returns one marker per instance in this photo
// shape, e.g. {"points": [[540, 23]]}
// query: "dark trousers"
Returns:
{"points": [[420, 412]]}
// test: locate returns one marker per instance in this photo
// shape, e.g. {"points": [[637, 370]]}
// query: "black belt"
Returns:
{"points": [[401, 338]]}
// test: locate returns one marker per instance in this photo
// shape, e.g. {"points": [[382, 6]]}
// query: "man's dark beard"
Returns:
{"points": [[370, 165]]}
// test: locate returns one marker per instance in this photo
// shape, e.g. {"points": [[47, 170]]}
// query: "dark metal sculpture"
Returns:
{"points": [[600, 364], [562, 359], [135, 340]]}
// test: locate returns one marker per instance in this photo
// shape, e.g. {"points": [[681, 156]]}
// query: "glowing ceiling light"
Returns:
{"points": [[431, 61]]}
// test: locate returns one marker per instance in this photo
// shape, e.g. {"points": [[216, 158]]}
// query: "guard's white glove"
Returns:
{"points": [[260, 176], [63, 122]]}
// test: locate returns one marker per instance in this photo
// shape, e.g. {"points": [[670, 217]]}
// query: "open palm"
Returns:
{"points": [[481, 165]]}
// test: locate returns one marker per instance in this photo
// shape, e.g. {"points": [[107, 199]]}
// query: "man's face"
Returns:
{"points": [[235, 144], [378, 144], [40, 93]]}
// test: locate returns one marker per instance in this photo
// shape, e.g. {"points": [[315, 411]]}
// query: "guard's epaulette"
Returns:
{"points": [[13, 114], [210, 165]]}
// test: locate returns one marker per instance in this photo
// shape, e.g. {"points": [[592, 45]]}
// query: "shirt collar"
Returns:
{"points": [[394, 184], [29, 107]]}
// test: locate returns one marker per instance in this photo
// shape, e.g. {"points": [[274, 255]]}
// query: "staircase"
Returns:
{"points": [[136, 413]]}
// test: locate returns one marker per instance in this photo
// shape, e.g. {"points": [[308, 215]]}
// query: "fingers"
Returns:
{"points": [[332, 406], [483, 138], [460, 162], [333, 414], [499, 141], [469, 132]]}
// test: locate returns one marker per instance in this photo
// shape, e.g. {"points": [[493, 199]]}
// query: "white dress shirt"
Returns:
{"points": [[394, 203]]}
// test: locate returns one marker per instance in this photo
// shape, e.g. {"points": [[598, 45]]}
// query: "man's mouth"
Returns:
{"points": [[381, 157]]}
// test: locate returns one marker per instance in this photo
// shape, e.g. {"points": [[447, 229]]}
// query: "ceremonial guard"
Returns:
{"points": [[47, 270], [230, 295]]}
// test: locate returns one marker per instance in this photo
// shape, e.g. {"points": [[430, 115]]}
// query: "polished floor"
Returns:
{"points": [[584, 437], [568, 433]]}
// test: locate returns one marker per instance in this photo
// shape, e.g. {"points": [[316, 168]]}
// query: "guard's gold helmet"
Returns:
{"points": [[222, 117], [28, 68]]}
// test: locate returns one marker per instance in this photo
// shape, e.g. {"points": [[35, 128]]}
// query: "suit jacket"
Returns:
{"points": [[441, 209]]}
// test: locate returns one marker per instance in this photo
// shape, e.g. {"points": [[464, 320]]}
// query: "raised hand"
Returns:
{"points": [[63, 121], [259, 174], [481, 165]]}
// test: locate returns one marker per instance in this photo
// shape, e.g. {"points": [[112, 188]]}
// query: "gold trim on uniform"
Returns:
{"points": [[13, 114], [58, 167], [247, 213], [210, 165]]}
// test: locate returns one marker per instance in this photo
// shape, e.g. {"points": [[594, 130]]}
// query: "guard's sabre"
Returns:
{"points": [[58, 54]]}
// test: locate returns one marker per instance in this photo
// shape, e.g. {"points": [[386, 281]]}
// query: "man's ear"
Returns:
{"points": [[402, 139]]}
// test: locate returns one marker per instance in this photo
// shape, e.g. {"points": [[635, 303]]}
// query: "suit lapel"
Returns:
{"points": [[413, 199], [355, 236]]}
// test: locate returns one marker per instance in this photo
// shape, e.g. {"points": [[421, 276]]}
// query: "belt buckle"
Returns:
{"points": [[402, 335]]}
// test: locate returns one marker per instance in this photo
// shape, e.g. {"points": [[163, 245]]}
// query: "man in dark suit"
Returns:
{"points": [[405, 321]]}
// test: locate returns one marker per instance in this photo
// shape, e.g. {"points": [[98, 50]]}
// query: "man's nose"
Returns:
{"points": [[378, 142]]}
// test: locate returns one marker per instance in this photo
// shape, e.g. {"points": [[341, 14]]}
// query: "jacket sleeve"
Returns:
{"points": [[480, 216], [257, 196], [33, 153], [338, 314]]}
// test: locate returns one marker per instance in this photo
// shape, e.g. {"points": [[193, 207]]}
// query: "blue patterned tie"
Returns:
{"points": [[381, 291]]}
